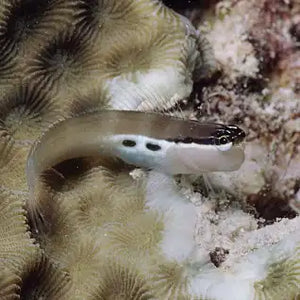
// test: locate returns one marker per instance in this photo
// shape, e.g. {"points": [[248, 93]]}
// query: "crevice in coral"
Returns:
{"points": [[66, 175], [271, 206], [44, 280]]}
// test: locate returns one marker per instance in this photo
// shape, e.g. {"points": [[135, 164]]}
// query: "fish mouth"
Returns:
{"points": [[238, 134], [240, 139]]}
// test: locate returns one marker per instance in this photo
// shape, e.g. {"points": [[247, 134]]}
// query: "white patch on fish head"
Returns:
{"points": [[176, 158], [140, 150]]}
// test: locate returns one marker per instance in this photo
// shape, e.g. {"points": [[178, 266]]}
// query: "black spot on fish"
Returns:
{"points": [[129, 143], [153, 147]]}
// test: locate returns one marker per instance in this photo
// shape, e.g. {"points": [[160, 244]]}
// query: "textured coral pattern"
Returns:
{"points": [[282, 280], [59, 58]]}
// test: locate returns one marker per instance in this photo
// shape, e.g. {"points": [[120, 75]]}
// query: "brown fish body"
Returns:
{"points": [[167, 144]]}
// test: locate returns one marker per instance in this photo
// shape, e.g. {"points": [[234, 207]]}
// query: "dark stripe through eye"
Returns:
{"points": [[189, 140], [153, 147], [129, 143]]}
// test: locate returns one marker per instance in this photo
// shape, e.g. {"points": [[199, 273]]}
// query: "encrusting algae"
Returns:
{"points": [[106, 239]]}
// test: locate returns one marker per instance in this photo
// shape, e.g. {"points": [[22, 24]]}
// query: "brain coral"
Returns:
{"points": [[59, 58], [107, 238]]}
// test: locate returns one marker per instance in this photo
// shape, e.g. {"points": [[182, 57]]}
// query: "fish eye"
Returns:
{"points": [[223, 140]]}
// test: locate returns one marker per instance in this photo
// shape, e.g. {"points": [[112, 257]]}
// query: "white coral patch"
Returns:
{"points": [[193, 231], [155, 89], [237, 282], [179, 216]]}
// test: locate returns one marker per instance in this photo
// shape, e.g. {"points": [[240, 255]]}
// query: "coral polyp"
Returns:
{"points": [[141, 56], [24, 19], [25, 111], [170, 281], [44, 279], [9, 285], [22, 24], [282, 280], [112, 17], [122, 281], [138, 237], [62, 62], [16, 246]]}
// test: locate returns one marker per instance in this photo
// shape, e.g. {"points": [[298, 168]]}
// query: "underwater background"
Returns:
{"points": [[118, 232]]}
